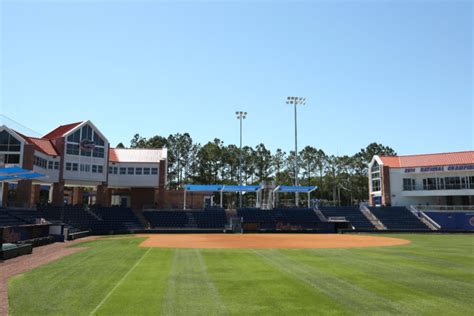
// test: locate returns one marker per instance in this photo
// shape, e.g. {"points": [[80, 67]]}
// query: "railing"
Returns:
{"points": [[432, 187], [434, 208]]}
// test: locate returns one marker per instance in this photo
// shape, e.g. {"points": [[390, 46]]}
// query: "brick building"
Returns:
{"points": [[80, 167]]}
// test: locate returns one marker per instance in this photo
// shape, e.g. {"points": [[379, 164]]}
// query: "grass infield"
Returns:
{"points": [[433, 275]]}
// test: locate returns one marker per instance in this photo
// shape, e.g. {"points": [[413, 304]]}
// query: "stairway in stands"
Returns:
{"points": [[191, 223]]}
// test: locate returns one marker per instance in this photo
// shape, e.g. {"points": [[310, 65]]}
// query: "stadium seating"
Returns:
{"points": [[352, 214], [255, 215], [303, 217], [26, 215], [398, 218], [8, 220], [118, 218], [166, 218], [209, 218]]}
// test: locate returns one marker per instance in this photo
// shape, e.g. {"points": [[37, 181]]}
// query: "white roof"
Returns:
{"points": [[137, 155]]}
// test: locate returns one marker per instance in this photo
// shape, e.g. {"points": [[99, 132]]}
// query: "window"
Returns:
{"points": [[146, 170], [98, 152], [130, 170], [8, 142], [100, 169], [452, 183], [138, 171], [429, 184], [72, 149], [68, 166], [94, 168], [375, 166], [74, 166], [56, 165], [154, 170], [86, 153], [115, 170], [123, 170], [408, 184], [471, 182], [9, 158], [40, 162], [376, 185], [111, 170], [50, 165], [98, 140], [75, 137]]}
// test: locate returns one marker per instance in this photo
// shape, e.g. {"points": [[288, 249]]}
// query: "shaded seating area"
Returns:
{"points": [[166, 219], [255, 215], [213, 218], [398, 218], [303, 217], [118, 218], [352, 214], [8, 220], [26, 215]]}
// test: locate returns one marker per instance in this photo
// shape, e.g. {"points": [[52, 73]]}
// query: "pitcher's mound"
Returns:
{"points": [[267, 241]]}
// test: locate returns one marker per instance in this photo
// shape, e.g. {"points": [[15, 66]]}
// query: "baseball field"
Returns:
{"points": [[415, 274]]}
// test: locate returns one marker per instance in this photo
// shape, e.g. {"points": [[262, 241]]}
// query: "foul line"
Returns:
{"points": [[119, 282]]}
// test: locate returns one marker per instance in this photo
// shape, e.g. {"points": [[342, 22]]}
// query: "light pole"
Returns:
{"points": [[240, 116], [296, 101]]}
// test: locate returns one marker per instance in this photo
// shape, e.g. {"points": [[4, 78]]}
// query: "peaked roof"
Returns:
{"points": [[429, 160], [41, 144], [61, 130]]}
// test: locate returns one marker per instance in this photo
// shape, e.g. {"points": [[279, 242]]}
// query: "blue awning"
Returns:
{"points": [[241, 188], [203, 187], [295, 189], [17, 173], [220, 187]]}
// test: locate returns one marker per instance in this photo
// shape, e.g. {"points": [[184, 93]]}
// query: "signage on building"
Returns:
{"points": [[439, 169], [87, 145]]}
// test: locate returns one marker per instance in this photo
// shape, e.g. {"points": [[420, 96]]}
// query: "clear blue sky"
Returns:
{"points": [[395, 72]]}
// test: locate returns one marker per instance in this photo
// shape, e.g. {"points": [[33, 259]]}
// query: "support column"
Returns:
{"points": [[58, 194], [102, 195], [4, 194], [77, 194], [35, 194], [23, 193]]}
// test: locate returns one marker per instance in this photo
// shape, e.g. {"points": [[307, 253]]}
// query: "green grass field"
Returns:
{"points": [[434, 275]]}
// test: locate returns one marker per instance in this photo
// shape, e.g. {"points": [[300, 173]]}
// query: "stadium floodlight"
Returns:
{"points": [[296, 101], [241, 115]]}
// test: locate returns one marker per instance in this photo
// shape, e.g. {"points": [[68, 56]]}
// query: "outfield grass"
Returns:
{"points": [[434, 275]]}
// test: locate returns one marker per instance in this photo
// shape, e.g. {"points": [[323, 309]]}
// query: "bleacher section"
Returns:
{"points": [[305, 218], [398, 218], [25, 215], [8, 220], [256, 215], [352, 214], [208, 219], [118, 218], [107, 219]]}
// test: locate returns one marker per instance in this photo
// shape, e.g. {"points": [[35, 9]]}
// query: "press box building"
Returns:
{"points": [[79, 166], [431, 179]]}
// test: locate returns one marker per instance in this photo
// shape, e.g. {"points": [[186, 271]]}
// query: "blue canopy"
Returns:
{"points": [[17, 173], [241, 188], [11, 170], [221, 187], [295, 189], [203, 187]]}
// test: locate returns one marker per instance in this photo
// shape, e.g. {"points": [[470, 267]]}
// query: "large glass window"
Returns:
{"points": [[154, 170], [375, 184], [452, 183], [8, 142], [429, 184], [85, 142], [408, 184], [123, 170]]}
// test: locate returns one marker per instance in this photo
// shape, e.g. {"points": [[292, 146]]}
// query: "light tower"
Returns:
{"points": [[296, 101], [240, 116]]}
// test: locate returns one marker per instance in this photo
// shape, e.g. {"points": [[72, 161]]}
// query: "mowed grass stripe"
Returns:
{"points": [[251, 285], [120, 282], [190, 291], [142, 291], [75, 284], [333, 285]]}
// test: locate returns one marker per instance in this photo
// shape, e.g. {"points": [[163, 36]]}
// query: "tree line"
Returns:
{"points": [[341, 179]]}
